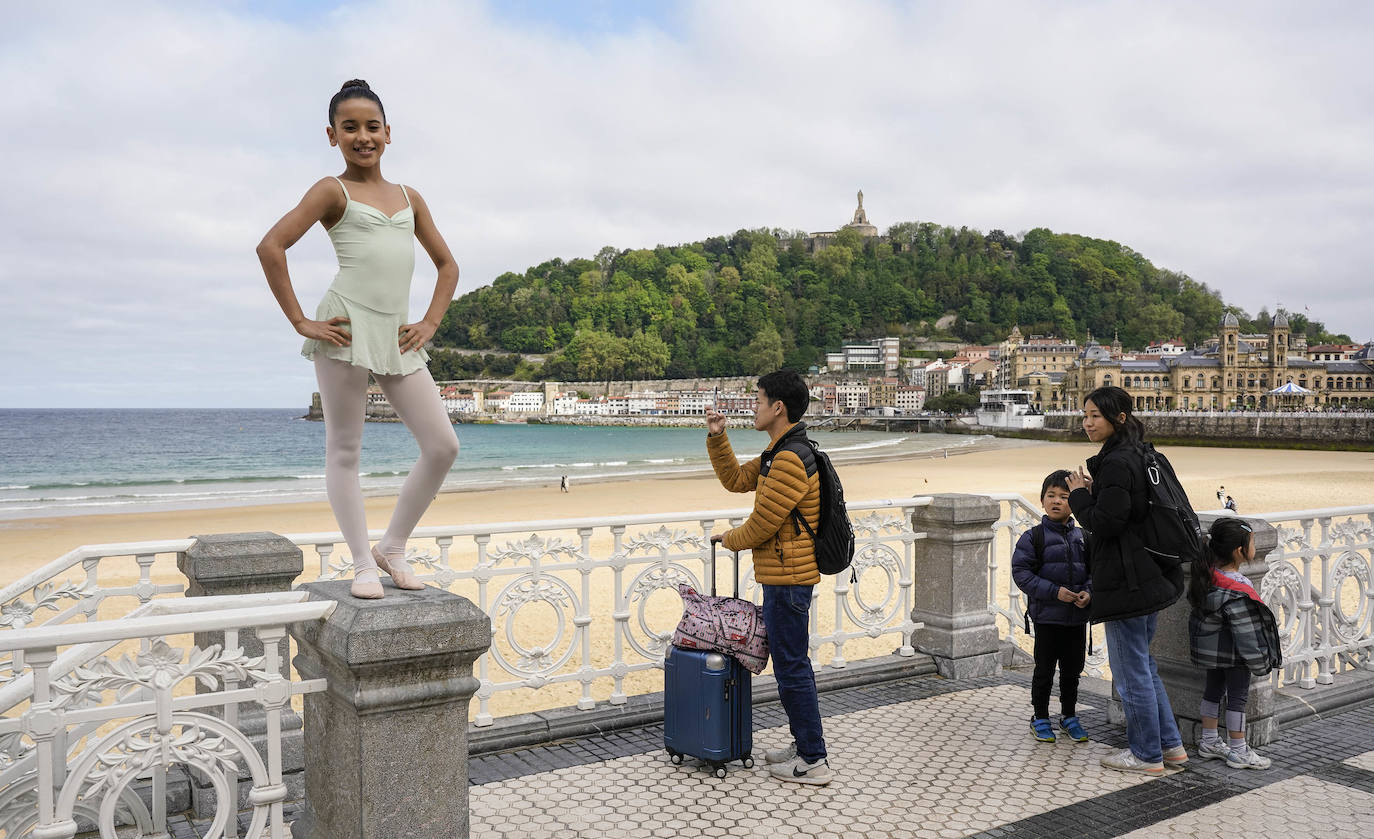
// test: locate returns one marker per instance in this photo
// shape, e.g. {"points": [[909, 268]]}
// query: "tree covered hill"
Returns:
{"points": [[757, 300]]}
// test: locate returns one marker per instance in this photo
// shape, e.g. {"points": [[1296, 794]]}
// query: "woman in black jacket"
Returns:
{"points": [[1129, 587]]}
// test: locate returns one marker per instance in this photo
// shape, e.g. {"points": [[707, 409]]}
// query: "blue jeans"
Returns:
{"points": [[1150, 724], [786, 616]]}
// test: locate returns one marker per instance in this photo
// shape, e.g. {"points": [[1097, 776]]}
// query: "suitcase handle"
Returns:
{"points": [[735, 554]]}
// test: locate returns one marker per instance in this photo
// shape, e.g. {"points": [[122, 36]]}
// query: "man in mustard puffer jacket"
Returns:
{"points": [[784, 479]]}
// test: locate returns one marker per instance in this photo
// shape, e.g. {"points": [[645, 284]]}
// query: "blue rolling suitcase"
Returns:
{"points": [[708, 709]]}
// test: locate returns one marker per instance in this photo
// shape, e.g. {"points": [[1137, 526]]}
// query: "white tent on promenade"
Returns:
{"points": [[1289, 394], [1289, 389]]}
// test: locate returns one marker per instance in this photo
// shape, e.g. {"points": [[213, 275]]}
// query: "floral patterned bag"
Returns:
{"points": [[724, 624]]}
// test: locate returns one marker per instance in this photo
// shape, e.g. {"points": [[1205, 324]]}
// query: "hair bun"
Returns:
{"points": [[355, 83]]}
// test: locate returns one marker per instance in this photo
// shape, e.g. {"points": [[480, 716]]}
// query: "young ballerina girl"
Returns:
{"points": [[360, 328]]}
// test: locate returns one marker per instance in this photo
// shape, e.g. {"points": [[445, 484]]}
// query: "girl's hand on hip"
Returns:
{"points": [[331, 330], [416, 335]]}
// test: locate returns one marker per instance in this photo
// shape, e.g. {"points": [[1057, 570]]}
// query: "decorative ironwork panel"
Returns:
{"points": [[1319, 581], [84, 727], [583, 605]]}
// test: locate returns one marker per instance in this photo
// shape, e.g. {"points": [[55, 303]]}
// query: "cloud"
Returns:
{"points": [[156, 142]]}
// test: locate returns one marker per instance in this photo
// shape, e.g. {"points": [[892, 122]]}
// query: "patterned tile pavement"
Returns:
{"points": [[926, 757], [1297, 807], [901, 773]]}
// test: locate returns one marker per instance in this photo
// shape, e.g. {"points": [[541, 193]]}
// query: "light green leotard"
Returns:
{"points": [[376, 255]]}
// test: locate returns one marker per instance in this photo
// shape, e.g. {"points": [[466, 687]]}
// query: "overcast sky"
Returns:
{"points": [[152, 144]]}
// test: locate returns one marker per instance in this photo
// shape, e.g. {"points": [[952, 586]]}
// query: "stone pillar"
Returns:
{"points": [[386, 746], [1184, 682], [951, 591], [246, 563]]}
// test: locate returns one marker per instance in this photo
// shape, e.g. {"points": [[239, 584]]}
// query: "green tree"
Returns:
{"points": [[764, 353]]}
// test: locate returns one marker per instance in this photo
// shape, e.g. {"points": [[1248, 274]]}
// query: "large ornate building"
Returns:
{"points": [[1227, 372]]}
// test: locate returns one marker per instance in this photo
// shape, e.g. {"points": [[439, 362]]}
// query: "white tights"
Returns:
{"points": [[343, 396]]}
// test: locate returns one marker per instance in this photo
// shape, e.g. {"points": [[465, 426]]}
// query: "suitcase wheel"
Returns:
{"points": [[675, 757], [720, 771], [748, 762]]}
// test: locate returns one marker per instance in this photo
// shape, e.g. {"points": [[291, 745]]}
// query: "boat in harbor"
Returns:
{"points": [[1005, 408]]}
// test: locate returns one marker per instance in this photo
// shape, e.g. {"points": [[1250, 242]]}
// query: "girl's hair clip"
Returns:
{"points": [[1245, 527]]}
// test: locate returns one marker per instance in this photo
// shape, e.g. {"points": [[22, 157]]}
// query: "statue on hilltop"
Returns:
{"points": [[860, 217]]}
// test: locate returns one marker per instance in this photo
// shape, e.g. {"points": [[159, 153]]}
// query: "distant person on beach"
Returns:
{"points": [[1221, 493], [1231, 504], [1129, 588], [1233, 635], [1050, 564], [360, 328], [563, 484], [784, 558]]}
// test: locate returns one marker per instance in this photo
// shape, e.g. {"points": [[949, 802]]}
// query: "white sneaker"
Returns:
{"points": [[798, 771], [1126, 761], [1217, 750], [780, 755], [1250, 760], [1177, 756]]}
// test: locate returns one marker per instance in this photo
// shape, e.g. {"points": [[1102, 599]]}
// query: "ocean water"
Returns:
{"points": [[72, 462]]}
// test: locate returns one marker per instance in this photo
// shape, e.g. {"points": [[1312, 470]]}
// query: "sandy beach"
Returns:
{"points": [[1259, 480]]}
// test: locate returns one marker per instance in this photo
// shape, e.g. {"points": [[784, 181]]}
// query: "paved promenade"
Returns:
{"points": [[928, 757], [931, 758]]}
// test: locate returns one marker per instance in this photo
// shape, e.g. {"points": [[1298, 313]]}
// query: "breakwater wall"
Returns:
{"points": [[1232, 428]]}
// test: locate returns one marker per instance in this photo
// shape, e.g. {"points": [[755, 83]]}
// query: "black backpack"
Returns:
{"points": [[1170, 532], [834, 534]]}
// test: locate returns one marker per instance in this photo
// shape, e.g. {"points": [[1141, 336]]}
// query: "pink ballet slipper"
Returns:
{"points": [[400, 573]]}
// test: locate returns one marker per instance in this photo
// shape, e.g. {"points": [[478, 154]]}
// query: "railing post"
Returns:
{"points": [[1183, 681], [951, 590], [246, 563], [386, 745]]}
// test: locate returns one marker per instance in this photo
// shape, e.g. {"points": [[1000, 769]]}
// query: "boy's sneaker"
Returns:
{"points": [[1072, 727], [1177, 756], [780, 755], [1126, 761], [1250, 760], [1041, 730], [1217, 750], [798, 771]]}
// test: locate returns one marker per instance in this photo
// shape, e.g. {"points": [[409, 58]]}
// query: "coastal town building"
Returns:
{"points": [[882, 355], [1018, 356], [1332, 352], [851, 397], [1228, 372], [910, 398], [1174, 347], [528, 402], [882, 392]]}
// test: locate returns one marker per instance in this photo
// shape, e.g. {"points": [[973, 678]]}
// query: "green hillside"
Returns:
{"points": [[754, 301]]}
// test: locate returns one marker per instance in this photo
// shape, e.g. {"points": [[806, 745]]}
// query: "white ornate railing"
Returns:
{"points": [[82, 727], [1006, 601], [80, 582], [1320, 584], [597, 579], [113, 577]]}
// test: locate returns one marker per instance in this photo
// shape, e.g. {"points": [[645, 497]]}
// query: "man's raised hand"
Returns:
{"points": [[715, 421]]}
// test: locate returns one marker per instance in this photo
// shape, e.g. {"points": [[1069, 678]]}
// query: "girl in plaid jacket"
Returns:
{"points": [[1234, 635]]}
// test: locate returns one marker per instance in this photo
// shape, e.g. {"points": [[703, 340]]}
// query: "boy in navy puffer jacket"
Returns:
{"points": [[1058, 589]]}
